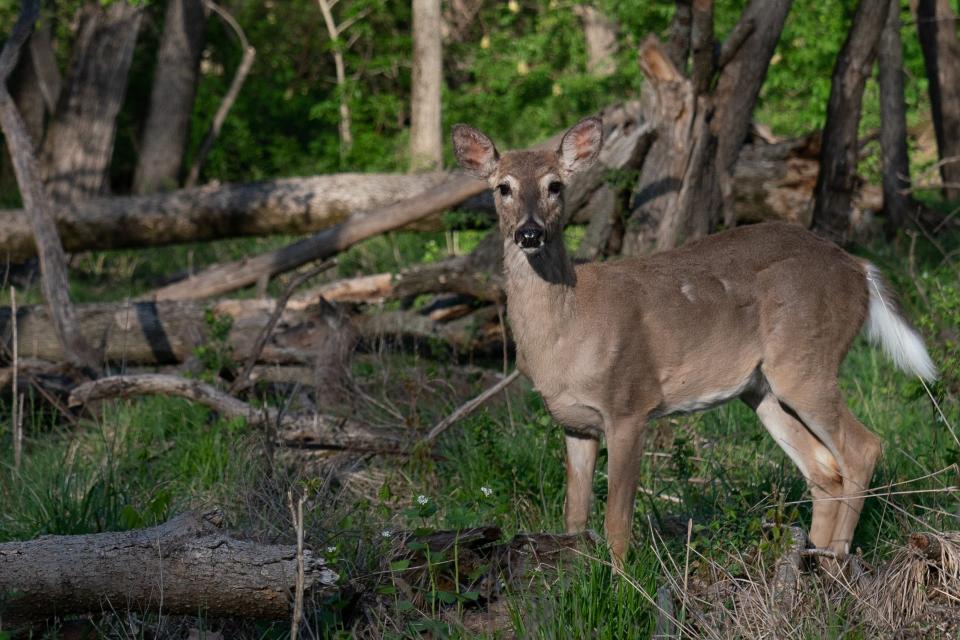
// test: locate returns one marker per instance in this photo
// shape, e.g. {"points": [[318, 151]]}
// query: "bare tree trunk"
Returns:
{"points": [[739, 84], [79, 142], [333, 31], [678, 38], [839, 152], [183, 566], [936, 25], [426, 139], [893, 122], [53, 264], [601, 36], [171, 98], [686, 181]]}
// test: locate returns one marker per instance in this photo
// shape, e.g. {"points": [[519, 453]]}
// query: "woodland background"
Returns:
{"points": [[221, 349]]}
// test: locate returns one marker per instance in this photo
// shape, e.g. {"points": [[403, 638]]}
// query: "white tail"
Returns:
{"points": [[887, 328]]}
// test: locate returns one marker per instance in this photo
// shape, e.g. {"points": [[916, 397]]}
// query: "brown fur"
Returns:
{"points": [[765, 312]]}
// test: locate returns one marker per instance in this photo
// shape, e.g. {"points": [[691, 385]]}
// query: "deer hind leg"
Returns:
{"points": [[814, 461], [581, 460], [854, 448], [623, 470]]}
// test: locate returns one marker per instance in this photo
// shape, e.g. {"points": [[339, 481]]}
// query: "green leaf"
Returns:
{"points": [[399, 565]]}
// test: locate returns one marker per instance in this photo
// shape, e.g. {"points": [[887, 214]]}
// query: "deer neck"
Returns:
{"points": [[541, 290]]}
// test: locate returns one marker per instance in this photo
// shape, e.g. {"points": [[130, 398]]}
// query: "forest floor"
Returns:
{"points": [[711, 485]]}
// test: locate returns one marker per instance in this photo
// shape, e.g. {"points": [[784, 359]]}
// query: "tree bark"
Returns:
{"points": [[600, 33], [893, 122], [839, 152], [290, 206], [937, 28], [183, 566], [171, 98], [170, 332], [686, 181], [79, 142], [749, 49], [426, 139], [476, 274], [309, 332], [53, 263], [678, 38]]}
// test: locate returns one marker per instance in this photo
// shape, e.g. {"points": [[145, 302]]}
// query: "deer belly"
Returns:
{"points": [[575, 414]]}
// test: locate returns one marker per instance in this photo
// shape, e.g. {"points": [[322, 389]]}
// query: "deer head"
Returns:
{"points": [[528, 185]]}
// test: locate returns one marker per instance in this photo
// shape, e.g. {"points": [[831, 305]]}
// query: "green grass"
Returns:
{"points": [[140, 461]]}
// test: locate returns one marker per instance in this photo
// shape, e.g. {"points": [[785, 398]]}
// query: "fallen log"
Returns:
{"points": [[315, 431], [183, 566], [170, 332], [622, 131], [288, 206], [478, 274]]}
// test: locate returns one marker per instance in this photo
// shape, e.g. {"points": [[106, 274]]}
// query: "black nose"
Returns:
{"points": [[529, 236]]}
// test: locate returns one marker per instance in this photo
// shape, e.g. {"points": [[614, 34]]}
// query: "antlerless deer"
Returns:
{"points": [[765, 313]]}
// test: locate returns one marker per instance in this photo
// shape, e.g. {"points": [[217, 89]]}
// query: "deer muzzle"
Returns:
{"points": [[529, 237]]}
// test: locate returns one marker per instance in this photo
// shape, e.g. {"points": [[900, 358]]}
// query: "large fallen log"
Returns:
{"points": [[183, 566], [170, 332], [289, 206]]}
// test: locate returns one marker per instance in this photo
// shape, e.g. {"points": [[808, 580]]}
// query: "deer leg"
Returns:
{"points": [[623, 470], [581, 461], [814, 460], [854, 448]]}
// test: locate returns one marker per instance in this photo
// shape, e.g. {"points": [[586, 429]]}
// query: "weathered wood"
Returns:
{"points": [[287, 206], [839, 151], [79, 142], [315, 431], [169, 332], [171, 98], [308, 333], [53, 263], [937, 28], [184, 566], [476, 274], [893, 120]]}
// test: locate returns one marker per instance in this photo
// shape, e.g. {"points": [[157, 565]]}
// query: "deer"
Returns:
{"points": [[765, 313]]}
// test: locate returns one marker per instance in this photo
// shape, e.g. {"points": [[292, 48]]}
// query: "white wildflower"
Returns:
{"points": [[486, 491], [422, 499], [331, 549], [386, 533]]}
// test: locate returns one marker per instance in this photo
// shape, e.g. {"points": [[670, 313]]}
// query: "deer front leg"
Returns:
{"points": [[581, 461], [623, 469]]}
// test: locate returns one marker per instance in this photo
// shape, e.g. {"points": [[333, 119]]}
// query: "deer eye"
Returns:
{"points": [[504, 189], [555, 188]]}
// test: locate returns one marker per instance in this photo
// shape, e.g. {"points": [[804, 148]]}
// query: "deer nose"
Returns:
{"points": [[529, 236]]}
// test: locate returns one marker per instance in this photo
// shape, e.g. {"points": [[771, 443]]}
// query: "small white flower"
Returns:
{"points": [[486, 491], [331, 549], [386, 533], [422, 499]]}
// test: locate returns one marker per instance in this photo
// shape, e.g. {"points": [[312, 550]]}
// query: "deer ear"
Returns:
{"points": [[580, 146], [475, 152]]}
